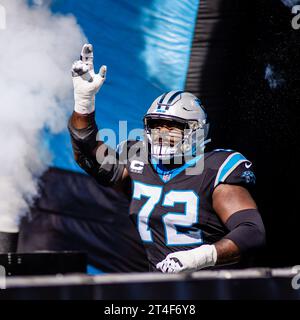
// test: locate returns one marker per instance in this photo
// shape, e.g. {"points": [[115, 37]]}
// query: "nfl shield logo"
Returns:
{"points": [[166, 177]]}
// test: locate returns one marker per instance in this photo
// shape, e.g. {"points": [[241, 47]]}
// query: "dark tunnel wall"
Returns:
{"points": [[236, 45]]}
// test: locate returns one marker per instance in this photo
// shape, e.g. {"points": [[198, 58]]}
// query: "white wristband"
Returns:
{"points": [[204, 256], [84, 104]]}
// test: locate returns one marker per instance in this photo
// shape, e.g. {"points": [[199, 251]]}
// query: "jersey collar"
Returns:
{"points": [[167, 175]]}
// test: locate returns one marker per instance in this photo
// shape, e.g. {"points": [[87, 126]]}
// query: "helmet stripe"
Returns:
{"points": [[162, 98], [174, 96]]}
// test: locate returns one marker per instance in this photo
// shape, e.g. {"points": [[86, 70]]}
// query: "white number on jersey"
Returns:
{"points": [[170, 220]]}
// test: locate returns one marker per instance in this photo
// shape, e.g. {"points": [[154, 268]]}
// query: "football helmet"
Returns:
{"points": [[178, 110]]}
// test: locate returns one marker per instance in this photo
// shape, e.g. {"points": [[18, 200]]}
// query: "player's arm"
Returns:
{"points": [[236, 208], [238, 211], [96, 158]]}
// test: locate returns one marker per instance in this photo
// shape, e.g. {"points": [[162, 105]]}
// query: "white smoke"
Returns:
{"points": [[37, 50]]}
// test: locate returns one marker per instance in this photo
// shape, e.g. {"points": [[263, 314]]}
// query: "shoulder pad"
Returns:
{"points": [[226, 163]]}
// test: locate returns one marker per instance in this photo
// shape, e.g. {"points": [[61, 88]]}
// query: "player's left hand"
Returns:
{"points": [[189, 260]]}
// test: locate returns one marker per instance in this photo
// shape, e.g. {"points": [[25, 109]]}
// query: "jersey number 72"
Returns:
{"points": [[171, 220]]}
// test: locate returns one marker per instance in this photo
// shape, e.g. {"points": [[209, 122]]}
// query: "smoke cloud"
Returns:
{"points": [[37, 51]]}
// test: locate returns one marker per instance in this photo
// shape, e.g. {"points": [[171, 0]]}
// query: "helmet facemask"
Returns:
{"points": [[180, 140]]}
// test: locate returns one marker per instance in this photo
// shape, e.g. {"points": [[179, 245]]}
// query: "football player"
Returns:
{"points": [[186, 220]]}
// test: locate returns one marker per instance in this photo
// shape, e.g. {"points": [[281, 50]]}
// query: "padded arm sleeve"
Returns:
{"points": [[247, 230], [96, 158]]}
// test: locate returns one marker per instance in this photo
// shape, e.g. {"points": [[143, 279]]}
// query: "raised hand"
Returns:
{"points": [[85, 82]]}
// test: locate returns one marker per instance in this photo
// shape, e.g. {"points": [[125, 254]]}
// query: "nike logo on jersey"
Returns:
{"points": [[248, 165]]}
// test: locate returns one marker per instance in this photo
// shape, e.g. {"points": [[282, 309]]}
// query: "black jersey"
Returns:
{"points": [[173, 209]]}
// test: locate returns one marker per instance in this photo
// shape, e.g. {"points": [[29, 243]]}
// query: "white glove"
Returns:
{"points": [[86, 83], [189, 260]]}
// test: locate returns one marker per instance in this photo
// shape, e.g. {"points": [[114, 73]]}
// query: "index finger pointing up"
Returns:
{"points": [[87, 55]]}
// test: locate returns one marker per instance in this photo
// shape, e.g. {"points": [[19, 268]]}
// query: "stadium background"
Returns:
{"points": [[240, 57]]}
